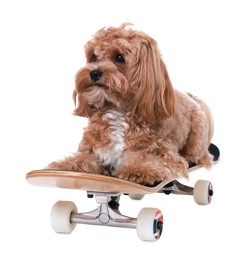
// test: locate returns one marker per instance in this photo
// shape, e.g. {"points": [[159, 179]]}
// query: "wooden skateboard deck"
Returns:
{"points": [[90, 182], [87, 181]]}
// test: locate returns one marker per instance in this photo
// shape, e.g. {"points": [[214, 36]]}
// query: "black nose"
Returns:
{"points": [[95, 75]]}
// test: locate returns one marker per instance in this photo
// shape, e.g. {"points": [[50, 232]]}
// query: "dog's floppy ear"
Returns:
{"points": [[82, 108], [150, 84]]}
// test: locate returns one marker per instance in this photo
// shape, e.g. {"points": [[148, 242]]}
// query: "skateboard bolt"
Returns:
{"points": [[104, 218], [210, 192], [159, 225]]}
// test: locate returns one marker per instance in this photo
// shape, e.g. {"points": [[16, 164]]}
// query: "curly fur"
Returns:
{"points": [[140, 128]]}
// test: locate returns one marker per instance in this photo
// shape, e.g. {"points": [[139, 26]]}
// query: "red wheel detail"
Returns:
{"points": [[158, 224]]}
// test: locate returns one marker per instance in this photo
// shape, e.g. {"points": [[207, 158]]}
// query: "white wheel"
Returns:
{"points": [[136, 196], [149, 224], [203, 192], [60, 217]]}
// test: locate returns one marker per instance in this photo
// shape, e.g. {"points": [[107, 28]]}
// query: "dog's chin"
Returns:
{"points": [[99, 97]]}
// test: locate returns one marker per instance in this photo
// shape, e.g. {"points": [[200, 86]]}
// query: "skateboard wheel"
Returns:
{"points": [[203, 192], [149, 224], [136, 196], [60, 217]]}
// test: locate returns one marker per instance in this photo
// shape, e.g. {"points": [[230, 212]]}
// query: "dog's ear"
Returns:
{"points": [[82, 109], [150, 84]]}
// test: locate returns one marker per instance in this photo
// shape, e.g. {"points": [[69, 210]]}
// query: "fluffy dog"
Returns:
{"points": [[140, 128]]}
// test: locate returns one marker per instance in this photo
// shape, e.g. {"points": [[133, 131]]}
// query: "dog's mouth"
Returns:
{"points": [[100, 86]]}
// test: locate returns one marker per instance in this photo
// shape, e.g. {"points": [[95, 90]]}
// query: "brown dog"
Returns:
{"points": [[140, 128]]}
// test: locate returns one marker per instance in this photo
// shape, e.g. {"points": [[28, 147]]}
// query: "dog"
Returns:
{"points": [[140, 128]]}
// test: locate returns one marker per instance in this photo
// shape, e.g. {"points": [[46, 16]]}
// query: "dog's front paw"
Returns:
{"points": [[147, 177], [60, 165], [78, 163]]}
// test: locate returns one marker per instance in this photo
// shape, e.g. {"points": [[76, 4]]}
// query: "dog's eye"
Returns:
{"points": [[93, 58], [119, 59]]}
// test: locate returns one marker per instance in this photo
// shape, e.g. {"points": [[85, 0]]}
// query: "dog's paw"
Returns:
{"points": [[147, 177], [48, 167], [60, 165], [78, 163]]}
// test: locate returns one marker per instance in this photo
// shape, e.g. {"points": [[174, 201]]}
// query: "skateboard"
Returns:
{"points": [[107, 191]]}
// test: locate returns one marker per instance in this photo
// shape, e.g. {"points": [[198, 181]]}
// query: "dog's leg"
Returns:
{"points": [[196, 148], [78, 162], [149, 169]]}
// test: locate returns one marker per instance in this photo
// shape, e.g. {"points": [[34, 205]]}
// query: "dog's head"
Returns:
{"points": [[124, 70]]}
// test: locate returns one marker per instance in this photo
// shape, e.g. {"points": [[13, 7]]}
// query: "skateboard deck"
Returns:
{"points": [[89, 182]]}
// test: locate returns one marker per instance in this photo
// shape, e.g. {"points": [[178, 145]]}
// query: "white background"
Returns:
{"points": [[206, 48]]}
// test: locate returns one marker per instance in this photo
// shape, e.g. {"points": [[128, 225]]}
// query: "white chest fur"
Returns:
{"points": [[110, 155]]}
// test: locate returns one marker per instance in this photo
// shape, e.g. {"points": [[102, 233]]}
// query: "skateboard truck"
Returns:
{"points": [[105, 214], [149, 223], [176, 187]]}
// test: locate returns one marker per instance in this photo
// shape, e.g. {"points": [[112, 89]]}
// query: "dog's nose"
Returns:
{"points": [[95, 75]]}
